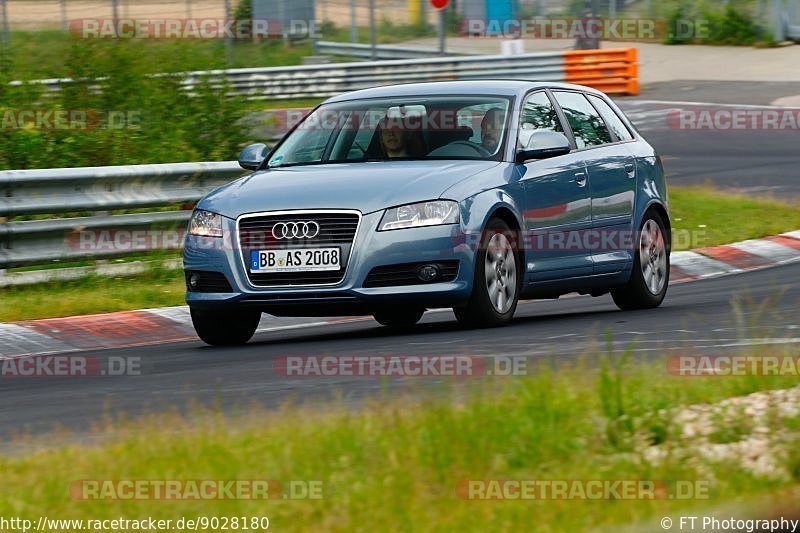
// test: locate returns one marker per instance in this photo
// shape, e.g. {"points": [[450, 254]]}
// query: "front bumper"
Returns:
{"points": [[371, 249]]}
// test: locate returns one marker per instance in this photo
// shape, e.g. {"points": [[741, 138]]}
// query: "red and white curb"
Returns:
{"points": [[173, 324], [733, 258]]}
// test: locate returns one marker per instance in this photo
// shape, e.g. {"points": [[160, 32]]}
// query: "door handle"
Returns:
{"points": [[580, 178], [630, 169]]}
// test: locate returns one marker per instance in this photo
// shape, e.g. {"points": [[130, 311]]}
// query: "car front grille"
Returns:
{"points": [[336, 229]]}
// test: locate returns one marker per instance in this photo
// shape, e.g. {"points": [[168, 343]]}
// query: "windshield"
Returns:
{"points": [[431, 127]]}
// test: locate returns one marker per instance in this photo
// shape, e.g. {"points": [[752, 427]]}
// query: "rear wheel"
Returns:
{"points": [[398, 318], [228, 328], [650, 277], [495, 290]]}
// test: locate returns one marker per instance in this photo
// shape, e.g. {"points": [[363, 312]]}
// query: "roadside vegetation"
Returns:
{"points": [[701, 216], [157, 287], [705, 216], [394, 463], [736, 22]]}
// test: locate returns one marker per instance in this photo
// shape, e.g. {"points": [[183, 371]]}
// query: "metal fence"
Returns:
{"points": [[343, 20], [74, 191]]}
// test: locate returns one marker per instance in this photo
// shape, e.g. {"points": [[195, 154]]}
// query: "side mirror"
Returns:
{"points": [[252, 156], [544, 144]]}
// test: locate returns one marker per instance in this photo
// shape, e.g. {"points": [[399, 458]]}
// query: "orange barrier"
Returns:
{"points": [[613, 71]]}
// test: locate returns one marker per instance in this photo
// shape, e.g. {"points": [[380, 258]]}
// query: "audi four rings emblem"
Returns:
{"points": [[295, 230]]}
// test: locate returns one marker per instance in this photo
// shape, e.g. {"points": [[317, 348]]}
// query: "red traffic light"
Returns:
{"points": [[439, 4]]}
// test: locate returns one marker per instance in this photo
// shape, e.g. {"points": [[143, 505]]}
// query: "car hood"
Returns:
{"points": [[367, 186]]}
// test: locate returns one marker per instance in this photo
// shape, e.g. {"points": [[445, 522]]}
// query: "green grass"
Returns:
{"points": [[95, 294], [52, 50], [394, 464], [728, 218], [704, 216]]}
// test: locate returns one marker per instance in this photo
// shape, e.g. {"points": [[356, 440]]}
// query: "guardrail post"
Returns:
{"points": [[4, 245], [777, 22], [4, 15], [64, 21], [353, 26], [794, 19], [373, 38], [441, 31], [228, 44]]}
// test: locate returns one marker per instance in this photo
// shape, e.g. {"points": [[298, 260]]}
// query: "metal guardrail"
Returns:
{"points": [[613, 67], [382, 51], [97, 189], [321, 81]]}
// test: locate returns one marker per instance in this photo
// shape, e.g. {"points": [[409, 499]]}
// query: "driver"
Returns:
{"points": [[394, 139], [492, 129]]}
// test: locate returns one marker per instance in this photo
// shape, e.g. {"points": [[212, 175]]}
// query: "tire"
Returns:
{"points": [[398, 318], [648, 284], [228, 328], [494, 300]]}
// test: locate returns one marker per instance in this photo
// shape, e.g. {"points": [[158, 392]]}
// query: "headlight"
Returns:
{"points": [[205, 224], [421, 214]]}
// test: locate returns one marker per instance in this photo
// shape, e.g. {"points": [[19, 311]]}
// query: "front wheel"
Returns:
{"points": [[495, 289], [229, 328], [650, 276]]}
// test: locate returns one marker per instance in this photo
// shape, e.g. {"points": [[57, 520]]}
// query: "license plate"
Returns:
{"points": [[300, 260]]}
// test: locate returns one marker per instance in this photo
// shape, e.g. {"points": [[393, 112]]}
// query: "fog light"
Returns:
{"points": [[428, 272], [194, 280]]}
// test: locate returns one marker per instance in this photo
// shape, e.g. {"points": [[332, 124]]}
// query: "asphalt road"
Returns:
{"points": [[698, 317], [757, 161]]}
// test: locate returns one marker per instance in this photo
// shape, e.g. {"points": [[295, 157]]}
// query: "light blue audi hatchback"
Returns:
{"points": [[467, 194]]}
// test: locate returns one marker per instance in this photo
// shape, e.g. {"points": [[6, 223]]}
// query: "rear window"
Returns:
{"points": [[587, 126], [611, 118]]}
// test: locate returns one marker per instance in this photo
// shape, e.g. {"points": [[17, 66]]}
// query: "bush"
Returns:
{"points": [[733, 27], [731, 24], [244, 10], [132, 117]]}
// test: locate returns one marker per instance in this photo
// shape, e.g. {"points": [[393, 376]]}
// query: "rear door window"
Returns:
{"points": [[587, 125], [611, 118]]}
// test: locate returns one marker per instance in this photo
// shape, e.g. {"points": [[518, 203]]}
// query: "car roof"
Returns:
{"points": [[461, 87]]}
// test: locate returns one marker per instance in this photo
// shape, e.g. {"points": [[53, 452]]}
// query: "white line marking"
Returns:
{"points": [[711, 104]]}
